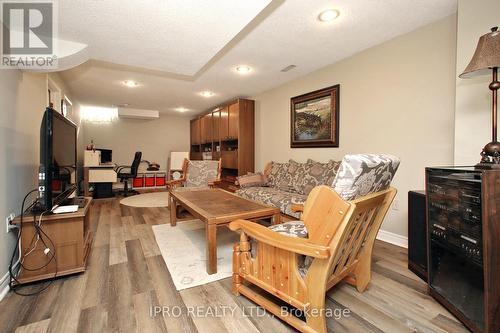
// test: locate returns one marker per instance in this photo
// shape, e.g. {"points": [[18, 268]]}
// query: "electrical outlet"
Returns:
{"points": [[395, 205], [8, 222]]}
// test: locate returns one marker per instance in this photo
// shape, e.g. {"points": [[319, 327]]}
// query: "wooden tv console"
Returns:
{"points": [[72, 240]]}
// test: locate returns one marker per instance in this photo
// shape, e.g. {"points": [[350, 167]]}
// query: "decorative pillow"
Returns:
{"points": [[363, 174], [278, 176], [252, 179], [315, 174]]}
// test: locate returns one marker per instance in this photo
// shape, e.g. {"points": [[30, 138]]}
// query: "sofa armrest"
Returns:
{"points": [[292, 244]]}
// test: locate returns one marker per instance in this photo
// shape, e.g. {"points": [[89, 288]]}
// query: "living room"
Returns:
{"points": [[141, 251]]}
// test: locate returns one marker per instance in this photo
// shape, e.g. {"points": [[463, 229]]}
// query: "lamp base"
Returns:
{"points": [[490, 155]]}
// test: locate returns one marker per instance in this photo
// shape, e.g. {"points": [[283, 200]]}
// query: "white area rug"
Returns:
{"points": [[183, 249], [156, 199]]}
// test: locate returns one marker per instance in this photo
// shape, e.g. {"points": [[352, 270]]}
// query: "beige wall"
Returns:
{"points": [[395, 98], [473, 98], [23, 97], [155, 138]]}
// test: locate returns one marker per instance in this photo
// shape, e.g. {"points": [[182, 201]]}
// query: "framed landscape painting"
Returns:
{"points": [[315, 119]]}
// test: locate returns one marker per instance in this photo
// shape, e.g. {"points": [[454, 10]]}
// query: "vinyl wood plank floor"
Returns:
{"points": [[126, 276]]}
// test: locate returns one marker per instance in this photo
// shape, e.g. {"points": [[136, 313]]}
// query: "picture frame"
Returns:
{"points": [[314, 118]]}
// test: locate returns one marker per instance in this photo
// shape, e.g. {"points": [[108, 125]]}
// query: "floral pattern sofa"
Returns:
{"points": [[358, 175], [289, 183]]}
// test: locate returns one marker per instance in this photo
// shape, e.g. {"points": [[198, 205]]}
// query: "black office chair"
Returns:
{"points": [[125, 173]]}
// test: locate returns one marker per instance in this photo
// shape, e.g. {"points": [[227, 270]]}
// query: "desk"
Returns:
{"points": [[72, 241], [103, 173]]}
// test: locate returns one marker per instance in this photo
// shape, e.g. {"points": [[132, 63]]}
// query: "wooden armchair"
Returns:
{"points": [[197, 174], [299, 262]]}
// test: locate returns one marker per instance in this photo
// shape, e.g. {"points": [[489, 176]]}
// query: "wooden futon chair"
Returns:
{"points": [[300, 261]]}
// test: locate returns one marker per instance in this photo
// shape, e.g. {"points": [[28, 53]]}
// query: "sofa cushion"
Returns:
{"points": [[362, 174], [273, 197], [252, 180], [279, 177], [312, 174]]}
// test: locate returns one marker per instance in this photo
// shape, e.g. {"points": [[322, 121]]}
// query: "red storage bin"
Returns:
{"points": [[160, 179], [138, 181], [149, 180]]}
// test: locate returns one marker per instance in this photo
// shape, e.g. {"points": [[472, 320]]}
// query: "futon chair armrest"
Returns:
{"points": [[292, 244], [214, 183], [174, 183], [297, 208]]}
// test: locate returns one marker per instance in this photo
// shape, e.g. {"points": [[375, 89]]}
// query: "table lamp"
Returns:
{"points": [[486, 60]]}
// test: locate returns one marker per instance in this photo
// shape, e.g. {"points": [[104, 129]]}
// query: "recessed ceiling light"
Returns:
{"points": [[207, 93], [243, 69], [130, 83], [181, 109], [328, 15]]}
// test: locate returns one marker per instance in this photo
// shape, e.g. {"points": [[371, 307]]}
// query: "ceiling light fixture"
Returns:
{"points": [[243, 69], [181, 109], [207, 93], [130, 83], [328, 15]]}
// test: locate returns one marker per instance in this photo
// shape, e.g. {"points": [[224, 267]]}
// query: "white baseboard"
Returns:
{"points": [[4, 282], [392, 238], [4, 286]]}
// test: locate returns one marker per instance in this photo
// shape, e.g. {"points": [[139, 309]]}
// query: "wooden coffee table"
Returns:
{"points": [[216, 207]]}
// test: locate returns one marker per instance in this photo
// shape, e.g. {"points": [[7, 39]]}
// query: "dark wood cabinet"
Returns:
{"points": [[228, 132], [463, 229], [224, 123], [233, 121], [195, 132], [216, 126], [206, 128]]}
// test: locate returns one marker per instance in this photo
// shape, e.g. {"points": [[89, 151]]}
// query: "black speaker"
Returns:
{"points": [[417, 234]]}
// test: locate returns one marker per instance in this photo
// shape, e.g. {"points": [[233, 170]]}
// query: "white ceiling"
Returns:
{"points": [[175, 49]]}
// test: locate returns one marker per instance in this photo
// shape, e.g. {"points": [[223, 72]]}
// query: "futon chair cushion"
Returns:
{"points": [[299, 230], [362, 174], [274, 197], [292, 228], [200, 173]]}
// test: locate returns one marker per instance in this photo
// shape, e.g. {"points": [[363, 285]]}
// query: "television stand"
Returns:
{"points": [[72, 239]]}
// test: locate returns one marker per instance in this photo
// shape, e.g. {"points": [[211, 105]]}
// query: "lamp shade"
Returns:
{"points": [[486, 57]]}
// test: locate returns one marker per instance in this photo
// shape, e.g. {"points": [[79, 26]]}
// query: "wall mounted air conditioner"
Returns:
{"points": [[138, 113]]}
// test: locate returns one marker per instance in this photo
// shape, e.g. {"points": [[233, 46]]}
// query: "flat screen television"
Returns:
{"points": [[58, 161]]}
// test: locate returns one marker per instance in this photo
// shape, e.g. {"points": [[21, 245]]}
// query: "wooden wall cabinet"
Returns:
{"points": [[224, 123], [195, 132], [206, 129], [233, 121], [230, 131], [216, 126]]}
